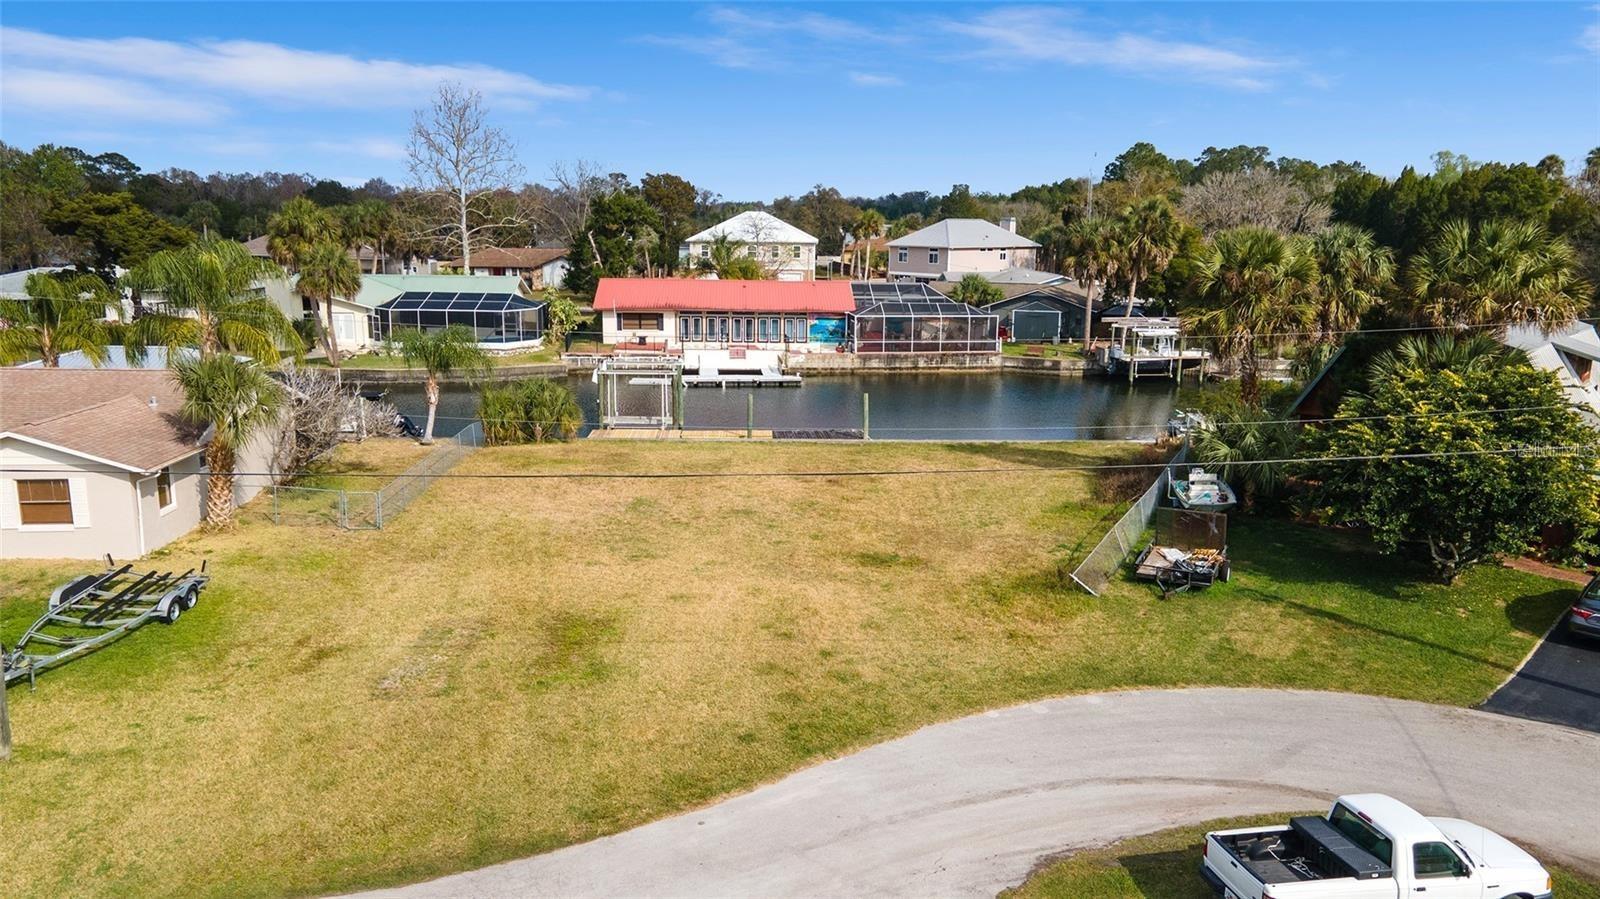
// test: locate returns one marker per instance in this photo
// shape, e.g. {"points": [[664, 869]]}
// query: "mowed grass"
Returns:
{"points": [[514, 665], [1165, 866]]}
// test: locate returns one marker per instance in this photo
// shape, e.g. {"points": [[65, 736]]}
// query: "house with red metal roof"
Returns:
{"points": [[735, 317]]}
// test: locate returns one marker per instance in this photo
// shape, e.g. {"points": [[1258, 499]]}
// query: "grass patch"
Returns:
{"points": [[1044, 350], [380, 361], [516, 665], [1165, 866]]}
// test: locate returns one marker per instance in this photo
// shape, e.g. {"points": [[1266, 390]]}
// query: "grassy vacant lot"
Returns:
{"points": [[381, 361], [1047, 350], [514, 665], [1163, 866]]}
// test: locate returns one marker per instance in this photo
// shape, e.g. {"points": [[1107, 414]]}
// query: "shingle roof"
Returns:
{"points": [[754, 226], [513, 257], [102, 414], [654, 294], [962, 234]]}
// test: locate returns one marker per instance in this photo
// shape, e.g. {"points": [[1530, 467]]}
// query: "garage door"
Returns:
{"points": [[1035, 324]]}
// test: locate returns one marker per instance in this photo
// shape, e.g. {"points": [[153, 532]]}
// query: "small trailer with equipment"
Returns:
{"points": [[1189, 552], [91, 611]]}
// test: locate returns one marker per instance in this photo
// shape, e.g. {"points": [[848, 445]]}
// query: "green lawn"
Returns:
{"points": [[515, 665], [1048, 351], [388, 362], [1164, 866]]}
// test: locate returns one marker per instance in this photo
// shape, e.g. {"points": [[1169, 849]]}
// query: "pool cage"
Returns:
{"points": [[914, 318], [500, 320]]}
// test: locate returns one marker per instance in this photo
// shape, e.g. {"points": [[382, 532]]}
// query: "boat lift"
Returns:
{"points": [[1150, 347], [91, 611]]}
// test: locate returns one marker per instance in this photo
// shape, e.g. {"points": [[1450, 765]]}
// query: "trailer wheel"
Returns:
{"points": [[190, 597], [174, 609], [1226, 572]]}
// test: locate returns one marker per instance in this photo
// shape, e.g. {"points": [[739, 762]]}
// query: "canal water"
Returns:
{"points": [[945, 406]]}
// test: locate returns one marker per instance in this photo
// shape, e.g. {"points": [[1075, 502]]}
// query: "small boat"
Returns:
{"points": [[1184, 422], [1203, 491]]}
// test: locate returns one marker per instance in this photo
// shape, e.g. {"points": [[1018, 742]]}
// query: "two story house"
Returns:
{"points": [[952, 248], [785, 251]]}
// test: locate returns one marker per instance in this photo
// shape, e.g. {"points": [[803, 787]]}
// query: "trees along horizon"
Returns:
{"points": [[61, 314], [440, 352]]}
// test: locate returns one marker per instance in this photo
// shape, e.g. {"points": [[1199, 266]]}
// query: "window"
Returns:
{"points": [[794, 330], [639, 321], [1362, 834], [901, 254], [164, 500], [1002, 255], [1436, 860], [44, 501], [794, 252], [933, 257], [769, 330], [705, 251]]}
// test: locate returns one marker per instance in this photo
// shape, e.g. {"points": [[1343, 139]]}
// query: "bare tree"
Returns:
{"points": [[321, 415], [1261, 197], [573, 188], [463, 170]]}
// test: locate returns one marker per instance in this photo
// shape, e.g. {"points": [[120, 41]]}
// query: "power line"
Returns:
{"points": [[1543, 451]]}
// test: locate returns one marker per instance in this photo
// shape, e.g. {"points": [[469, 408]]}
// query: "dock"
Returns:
{"points": [[746, 379]]}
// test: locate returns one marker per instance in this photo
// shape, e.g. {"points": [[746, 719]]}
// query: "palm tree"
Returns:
{"points": [[868, 226], [1249, 452], [296, 228], [59, 315], [327, 271], [535, 410], [727, 257], [450, 349], [1250, 285], [210, 300], [1353, 272], [237, 398], [370, 223], [1500, 274], [1459, 353], [1090, 251], [1151, 235]]}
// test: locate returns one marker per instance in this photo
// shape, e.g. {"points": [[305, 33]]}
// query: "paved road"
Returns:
{"points": [[1559, 683], [968, 807]]}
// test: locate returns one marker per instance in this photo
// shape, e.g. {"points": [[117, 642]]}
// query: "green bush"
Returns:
{"points": [[537, 410]]}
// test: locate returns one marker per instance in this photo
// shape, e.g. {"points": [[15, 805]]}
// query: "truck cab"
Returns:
{"points": [[1371, 845]]}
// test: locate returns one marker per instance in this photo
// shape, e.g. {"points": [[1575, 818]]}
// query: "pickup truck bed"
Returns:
{"points": [[1308, 849]]}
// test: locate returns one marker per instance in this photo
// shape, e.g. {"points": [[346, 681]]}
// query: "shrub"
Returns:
{"points": [[536, 410]]}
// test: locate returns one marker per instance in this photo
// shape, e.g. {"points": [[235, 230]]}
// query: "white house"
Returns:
{"points": [[784, 250], [538, 267], [1572, 353], [97, 461], [951, 248]]}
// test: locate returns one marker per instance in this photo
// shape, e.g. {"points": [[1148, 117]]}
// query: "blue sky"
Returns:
{"points": [[758, 100]]}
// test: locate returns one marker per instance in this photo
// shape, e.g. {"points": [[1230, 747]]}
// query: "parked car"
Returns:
{"points": [[1584, 617], [1370, 845]]}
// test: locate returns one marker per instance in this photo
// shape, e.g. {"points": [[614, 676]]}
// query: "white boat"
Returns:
{"points": [[1203, 491]]}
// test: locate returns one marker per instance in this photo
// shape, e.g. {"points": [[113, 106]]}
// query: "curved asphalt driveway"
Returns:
{"points": [[968, 807]]}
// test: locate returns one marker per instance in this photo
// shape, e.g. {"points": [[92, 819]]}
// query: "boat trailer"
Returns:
{"points": [[88, 612]]}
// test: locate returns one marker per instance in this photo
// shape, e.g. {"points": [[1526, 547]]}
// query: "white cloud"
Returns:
{"points": [[728, 52], [1589, 39], [1044, 34], [809, 24], [70, 93], [374, 147], [871, 79], [751, 37], [272, 72]]}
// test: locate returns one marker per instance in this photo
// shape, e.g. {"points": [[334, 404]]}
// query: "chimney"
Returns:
{"points": [[1009, 223]]}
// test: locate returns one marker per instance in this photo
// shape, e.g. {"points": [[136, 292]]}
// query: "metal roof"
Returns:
{"points": [[754, 226], [963, 234], [695, 295], [440, 301]]}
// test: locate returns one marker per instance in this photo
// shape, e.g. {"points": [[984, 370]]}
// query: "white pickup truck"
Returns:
{"points": [[1370, 846]]}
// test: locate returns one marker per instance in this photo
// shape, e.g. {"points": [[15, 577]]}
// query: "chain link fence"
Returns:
{"points": [[1126, 536]]}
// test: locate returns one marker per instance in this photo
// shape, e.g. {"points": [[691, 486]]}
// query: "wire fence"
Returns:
{"points": [[360, 510], [1112, 552]]}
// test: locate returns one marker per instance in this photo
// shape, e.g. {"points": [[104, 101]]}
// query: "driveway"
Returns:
{"points": [[968, 807], [1560, 683]]}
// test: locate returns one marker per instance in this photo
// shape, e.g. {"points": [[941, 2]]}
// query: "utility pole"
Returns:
{"points": [[1095, 158]]}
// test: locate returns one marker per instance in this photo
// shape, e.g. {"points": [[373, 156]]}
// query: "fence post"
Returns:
{"points": [[866, 416], [344, 510], [275, 518], [749, 416]]}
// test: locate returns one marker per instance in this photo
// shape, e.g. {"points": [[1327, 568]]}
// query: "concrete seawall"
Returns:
{"points": [[812, 364]]}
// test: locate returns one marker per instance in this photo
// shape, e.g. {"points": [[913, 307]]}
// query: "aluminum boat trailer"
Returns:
{"points": [[88, 612]]}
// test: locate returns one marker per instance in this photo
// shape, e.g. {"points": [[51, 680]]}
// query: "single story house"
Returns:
{"points": [[100, 461], [722, 320], [949, 249], [788, 253], [538, 267], [1573, 354]]}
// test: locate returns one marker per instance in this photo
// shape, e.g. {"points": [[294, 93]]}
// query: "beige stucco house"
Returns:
{"points": [[785, 251], [951, 248], [98, 461]]}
